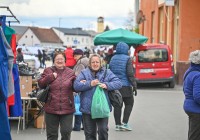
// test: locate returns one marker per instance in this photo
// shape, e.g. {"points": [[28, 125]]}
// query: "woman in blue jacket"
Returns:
{"points": [[86, 83], [191, 88]]}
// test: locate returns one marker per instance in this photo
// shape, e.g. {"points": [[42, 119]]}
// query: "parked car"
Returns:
{"points": [[153, 63]]}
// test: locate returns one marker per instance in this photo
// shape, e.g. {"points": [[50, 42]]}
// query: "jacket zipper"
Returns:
{"points": [[60, 91]]}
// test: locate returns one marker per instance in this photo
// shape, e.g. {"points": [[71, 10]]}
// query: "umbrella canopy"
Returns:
{"points": [[112, 37]]}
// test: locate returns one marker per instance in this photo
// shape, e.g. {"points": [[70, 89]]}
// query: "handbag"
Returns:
{"points": [[115, 98], [43, 94]]}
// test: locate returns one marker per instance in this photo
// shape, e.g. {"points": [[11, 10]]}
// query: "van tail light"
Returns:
{"points": [[134, 61], [171, 58]]}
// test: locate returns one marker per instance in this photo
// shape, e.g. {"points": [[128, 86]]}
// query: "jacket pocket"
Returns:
{"points": [[70, 102], [49, 99]]}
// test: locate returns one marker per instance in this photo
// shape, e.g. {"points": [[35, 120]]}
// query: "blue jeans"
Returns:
{"points": [[92, 125]]}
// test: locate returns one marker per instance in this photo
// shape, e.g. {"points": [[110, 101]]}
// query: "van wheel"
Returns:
{"points": [[172, 84]]}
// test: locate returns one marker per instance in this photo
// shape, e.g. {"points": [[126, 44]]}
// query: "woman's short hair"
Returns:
{"points": [[57, 53], [94, 55], [19, 50], [195, 57]]}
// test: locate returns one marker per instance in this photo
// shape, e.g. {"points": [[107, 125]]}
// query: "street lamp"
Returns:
{"points": [[59, 30]]}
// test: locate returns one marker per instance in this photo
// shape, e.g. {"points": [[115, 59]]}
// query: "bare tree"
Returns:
{"points": [[130, 23]]}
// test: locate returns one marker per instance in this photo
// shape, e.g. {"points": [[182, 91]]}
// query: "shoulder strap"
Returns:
{"points": [[104, 75], [188, 73]]}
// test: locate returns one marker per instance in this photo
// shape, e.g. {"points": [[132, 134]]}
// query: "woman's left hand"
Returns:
{"points": [[103, 86]]}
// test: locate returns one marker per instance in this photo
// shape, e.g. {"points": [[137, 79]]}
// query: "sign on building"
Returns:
{"points": [[169, 2], [161, 2]]}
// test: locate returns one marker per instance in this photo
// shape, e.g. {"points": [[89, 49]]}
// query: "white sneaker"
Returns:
{"points": [[125, 126], [119, 128]]}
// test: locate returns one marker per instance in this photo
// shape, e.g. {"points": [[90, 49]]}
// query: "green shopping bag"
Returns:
{"points": [[100, 107]]}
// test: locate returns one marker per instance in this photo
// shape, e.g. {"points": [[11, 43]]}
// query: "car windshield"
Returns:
{"points": [[152, 55]]}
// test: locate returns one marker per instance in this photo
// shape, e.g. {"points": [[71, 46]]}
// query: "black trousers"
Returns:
{"points": [[92, 125], [53, 121], [128, 102], [194, 126]]}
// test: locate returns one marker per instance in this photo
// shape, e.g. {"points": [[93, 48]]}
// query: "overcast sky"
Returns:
{"points": [[70, 13]]}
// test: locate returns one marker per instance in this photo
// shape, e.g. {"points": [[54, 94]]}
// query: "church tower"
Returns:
{"points": [[100, 24]]}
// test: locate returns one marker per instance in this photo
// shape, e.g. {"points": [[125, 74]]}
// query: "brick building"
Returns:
{"points": [[173, 22]]}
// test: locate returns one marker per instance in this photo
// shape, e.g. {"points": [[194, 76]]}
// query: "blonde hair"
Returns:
{"points": [[94, 55]]}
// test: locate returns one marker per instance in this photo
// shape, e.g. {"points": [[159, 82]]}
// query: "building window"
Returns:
{"points": [[67, 39], [82, 40], [25, 36]]}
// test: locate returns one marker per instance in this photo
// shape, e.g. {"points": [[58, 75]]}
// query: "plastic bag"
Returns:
{"points": [[77, 104], [100, 107]]}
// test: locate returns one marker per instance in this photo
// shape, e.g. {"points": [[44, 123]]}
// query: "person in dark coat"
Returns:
{"points": [[191, 89], [125, 72], [40, 57], [59, 107], [87, 52], [44, 57], [20, 56], [108, 57]]}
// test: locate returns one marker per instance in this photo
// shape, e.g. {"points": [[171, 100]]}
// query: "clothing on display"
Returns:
{"points": [[4, 74]]}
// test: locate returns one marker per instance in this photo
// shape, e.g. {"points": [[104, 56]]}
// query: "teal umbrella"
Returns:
{"points": [[112, 37]]}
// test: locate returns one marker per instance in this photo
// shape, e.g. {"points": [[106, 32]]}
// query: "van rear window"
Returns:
{"points": [[152, 55]]}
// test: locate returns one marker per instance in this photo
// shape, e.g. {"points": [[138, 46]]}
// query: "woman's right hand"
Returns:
{"points": [[55, 75], [94, 82]]}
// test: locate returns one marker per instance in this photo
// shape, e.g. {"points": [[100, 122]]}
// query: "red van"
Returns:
{"points": [[153, 63]]}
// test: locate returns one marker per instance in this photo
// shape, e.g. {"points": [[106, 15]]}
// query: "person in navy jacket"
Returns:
{"points": [[125, 72], [86, 83], [191, 89]]}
